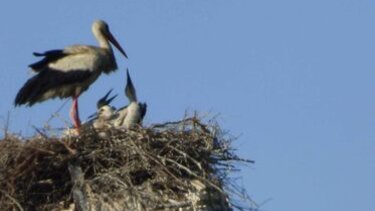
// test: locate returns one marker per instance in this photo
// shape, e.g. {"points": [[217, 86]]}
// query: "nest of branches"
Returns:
{"points": [[176, 165]]}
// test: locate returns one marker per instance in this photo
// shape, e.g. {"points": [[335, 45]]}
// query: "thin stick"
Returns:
{"points": [[40, 132], [57, 111], [6, 126], [13, 200]]}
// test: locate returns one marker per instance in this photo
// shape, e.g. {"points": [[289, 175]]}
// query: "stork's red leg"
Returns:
{"points": [[74, 115]]}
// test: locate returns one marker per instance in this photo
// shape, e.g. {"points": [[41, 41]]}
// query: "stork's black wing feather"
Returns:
{"points": [[49, 56], [143, 110], [122, 108], [53, 81]]}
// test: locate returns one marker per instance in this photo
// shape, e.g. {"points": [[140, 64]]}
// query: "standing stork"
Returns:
{"points": [[134, 112], [70, 71]]}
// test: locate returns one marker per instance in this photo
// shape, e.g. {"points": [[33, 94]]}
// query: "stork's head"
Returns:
{"points": [[103, 106], [106, 112], [104, 100], [101, 30]]}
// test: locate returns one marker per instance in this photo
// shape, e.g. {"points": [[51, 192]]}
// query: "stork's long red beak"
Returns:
{"points": [[112, 39]]}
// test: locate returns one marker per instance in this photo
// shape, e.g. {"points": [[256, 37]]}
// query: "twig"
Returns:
{"points": [[13, 200], [187, 156], [192, 173], [40, 132], [171, 123], [6, 126], [41, 150], [70, 150], [55, 114]]}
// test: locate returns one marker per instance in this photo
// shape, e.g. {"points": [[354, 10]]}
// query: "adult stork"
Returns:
{"points": [[70, 71], [134, 112]]}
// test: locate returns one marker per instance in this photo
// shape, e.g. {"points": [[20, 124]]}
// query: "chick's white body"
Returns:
{"points": [[129, 116], [105, 116]]}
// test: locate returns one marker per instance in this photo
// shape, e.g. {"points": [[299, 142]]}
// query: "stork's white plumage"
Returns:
{"points": [[69, 72]]}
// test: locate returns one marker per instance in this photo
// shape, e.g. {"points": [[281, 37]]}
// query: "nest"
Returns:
{"points": [[179, 165]]}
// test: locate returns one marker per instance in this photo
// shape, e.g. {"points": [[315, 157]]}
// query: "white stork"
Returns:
{"points": [[134, 112], [70, 71], [105, 113]]}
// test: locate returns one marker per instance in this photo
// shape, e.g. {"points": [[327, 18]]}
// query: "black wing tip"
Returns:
{"points": [[21, 102], [20, 99], [17, 103], [38, 54], [143, 109], [32, 66], [54, 52]]}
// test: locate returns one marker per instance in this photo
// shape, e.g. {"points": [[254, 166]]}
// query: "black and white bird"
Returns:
{"points": [[134, 112], [70, 71], [105, 114], [101, 119]]}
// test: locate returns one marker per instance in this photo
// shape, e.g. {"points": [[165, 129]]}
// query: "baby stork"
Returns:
{"points": [[105, 113], [100, 120], [70, 71], [134, 112]]}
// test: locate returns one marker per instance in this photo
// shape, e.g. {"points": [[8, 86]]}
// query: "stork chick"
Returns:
{"points": [[101, 119], [134, 112], [105, 113]]}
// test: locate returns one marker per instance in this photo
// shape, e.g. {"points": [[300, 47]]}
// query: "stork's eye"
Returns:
{"points": [[105, 30]]}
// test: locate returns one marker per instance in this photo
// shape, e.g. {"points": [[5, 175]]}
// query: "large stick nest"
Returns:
{"points": [[173, 165]]}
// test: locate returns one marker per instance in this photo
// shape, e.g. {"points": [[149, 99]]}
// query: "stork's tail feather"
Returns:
{"points": [[20, 99], [24, 94], [31, 91]]}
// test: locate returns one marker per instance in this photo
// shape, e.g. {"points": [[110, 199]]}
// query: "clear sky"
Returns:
{"points": [[294, 80]]}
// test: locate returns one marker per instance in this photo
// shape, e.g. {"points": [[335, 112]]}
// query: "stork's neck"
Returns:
{"points": [[102, 40], [104, 43], [130, 92], [132, 97]]}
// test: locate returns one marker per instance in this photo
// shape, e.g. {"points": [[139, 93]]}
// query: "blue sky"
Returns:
{"points": [[294, 80]]}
